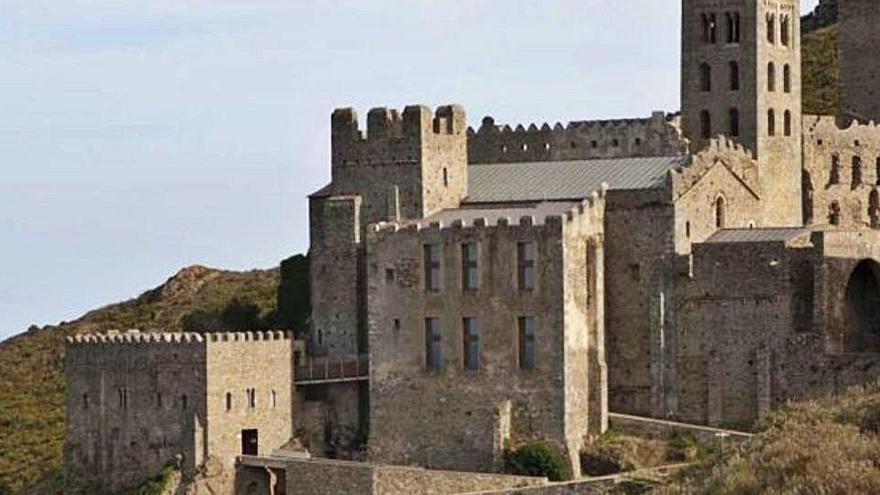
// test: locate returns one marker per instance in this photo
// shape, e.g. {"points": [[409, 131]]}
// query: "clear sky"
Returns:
{"points": [[137, 138]]}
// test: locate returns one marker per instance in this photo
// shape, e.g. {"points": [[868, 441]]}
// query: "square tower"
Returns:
{"points": [[741, 77]]}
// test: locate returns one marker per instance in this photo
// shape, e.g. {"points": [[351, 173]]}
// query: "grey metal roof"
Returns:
{"points": [[537, 181], [757, 235], [539, 211]]}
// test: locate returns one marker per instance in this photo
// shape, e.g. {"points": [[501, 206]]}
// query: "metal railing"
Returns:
{"points": [[332, 369]]}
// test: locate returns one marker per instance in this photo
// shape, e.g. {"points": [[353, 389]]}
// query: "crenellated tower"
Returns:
{"points": [[406, 165], [741, 77]]}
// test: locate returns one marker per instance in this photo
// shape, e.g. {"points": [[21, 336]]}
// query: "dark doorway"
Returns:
{"points": [[863, 308], [249, 442]]}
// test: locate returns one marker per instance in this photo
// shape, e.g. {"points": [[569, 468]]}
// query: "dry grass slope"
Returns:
{"points": [[31, 378]]}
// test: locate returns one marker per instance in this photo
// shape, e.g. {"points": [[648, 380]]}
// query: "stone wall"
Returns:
{"points": [[756, 334], [859, 67], [327, 477], [260, 362], [841, 173], [657, 135], [136, 402], [133, 406], [457, 418]]}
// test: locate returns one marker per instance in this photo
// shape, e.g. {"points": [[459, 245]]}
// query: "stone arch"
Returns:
{"points": [[861, 327]]}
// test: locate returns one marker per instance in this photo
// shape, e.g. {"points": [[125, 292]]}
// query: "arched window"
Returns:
{"points": [[713, 29], [834, 213], [771, 122], [786, 78], [86, 402], [785, 29], [771, 77], [705, 124], [732, 31], [834, 176], [786, 123], [705, 77], [733, 120], [719, 212], [228, 401], [705, 27], [771, 29], [274, 399], [856, 171], [734, 75]]}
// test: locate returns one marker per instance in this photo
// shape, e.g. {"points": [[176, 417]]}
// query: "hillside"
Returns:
{"points": [[196, 298], [820, 71], [829, 446]]}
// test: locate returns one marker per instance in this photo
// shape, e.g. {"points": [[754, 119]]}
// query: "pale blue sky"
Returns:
{"points": [[141, 137]]}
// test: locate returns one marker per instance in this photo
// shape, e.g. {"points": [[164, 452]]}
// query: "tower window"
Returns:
{"points": [[469, 274], [771, 29], [856, 171], [228, 401], [526, 342], [771, 122], [734, 75], [834, 176], [705, 77], [734, 122], [710, 28], [732, 27], [719, 212], [525, 261], [431, 254], [877, 170], [771, 77], [85, 402], [433, 344], [705, 124], [785, 30], [445, 177], [834, 213], [786, 123], [786, 78], [471, 343]]}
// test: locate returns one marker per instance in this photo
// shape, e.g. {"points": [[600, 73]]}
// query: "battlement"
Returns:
{"points": [[137, 337], [557, 215], [657, 135], [391, 136]]}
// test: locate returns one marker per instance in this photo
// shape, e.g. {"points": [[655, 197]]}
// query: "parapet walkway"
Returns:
{"points": [[322, 370]]}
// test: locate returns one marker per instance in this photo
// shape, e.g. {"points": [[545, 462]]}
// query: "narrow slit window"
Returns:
{"points": [[705, 77], [856, 171], [526, 341], [786, 123], [469, 268], [433, 344], [733, 67], [771, 29], [786, 78], [771, 77], [228, 401], [734, 122], [471, 343], [834, 176], [705, 124], [771, 122], [432, 267], [525, 260]]}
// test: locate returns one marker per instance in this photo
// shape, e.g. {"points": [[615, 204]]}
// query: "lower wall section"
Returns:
{"points": [[331, 477]]}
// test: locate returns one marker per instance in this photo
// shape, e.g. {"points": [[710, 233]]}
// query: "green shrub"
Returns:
{"points": [[537, 459], [615, 453]]}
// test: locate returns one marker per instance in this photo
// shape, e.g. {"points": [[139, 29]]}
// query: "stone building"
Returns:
{"points": [[138, 401], [514, 282]]}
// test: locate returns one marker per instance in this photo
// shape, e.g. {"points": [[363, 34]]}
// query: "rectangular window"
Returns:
{"points": [[432, 267], [525, 260], [471, 340], [433, 344], [469, 274], [527, 342]]}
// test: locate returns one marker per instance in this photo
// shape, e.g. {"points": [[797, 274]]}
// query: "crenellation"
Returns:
{"points": [[654, 136]]}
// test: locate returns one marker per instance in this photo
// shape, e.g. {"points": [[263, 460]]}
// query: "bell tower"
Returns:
{"points": [[741, 77]]}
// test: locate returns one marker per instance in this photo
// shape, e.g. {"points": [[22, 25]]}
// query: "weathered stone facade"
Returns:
{"points": [[136, 401], [456, 415], [506, 285]]}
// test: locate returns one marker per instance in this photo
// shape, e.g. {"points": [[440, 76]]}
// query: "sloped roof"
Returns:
{"points": [[757, 235], [538, 181]]}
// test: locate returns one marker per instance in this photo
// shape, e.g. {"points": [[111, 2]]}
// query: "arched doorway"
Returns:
{"points": [[862, 309]]}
